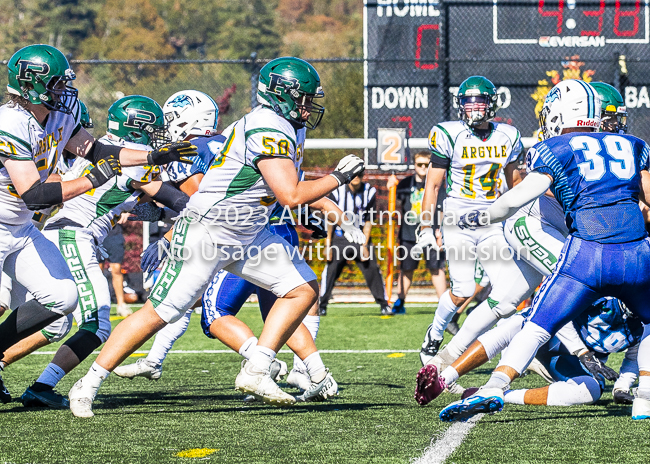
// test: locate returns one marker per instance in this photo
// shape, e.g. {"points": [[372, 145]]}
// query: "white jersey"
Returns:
{"points": [[548, 211], [23, 138], [100, 204], [233, 194], [475, 164]]}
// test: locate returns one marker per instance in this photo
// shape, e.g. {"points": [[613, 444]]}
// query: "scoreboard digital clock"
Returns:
{"points": [[418, 51]]}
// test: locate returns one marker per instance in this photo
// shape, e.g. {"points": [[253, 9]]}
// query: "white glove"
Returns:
{"points": [[348, 168], [425, 238], [353, 234]]}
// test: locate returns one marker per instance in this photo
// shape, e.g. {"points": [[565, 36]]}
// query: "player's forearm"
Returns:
{"points": [[533, 186], [434, 180], [73, 188], [571, 340], [307, 192], [129, 157], [367, 230]]}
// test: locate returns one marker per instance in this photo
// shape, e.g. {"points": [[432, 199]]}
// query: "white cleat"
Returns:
{"points": [[299, 379], [455, 389], [278, 370], [539, 369], [640, 408], [123, 310], [81, 400], [322, 390], [261, 385], [140, 368]]}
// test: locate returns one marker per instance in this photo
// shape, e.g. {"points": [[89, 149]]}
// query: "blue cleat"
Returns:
{"points": [[487, 400], [398, 307]]}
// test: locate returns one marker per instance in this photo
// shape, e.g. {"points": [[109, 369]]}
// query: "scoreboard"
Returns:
{"points": [[417, 52]]}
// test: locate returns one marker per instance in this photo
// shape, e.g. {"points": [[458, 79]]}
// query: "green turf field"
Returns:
{"points": [[193, 413]]}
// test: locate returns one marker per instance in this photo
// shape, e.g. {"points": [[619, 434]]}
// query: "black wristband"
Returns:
{"points": [[171, 197], [99, 151]]}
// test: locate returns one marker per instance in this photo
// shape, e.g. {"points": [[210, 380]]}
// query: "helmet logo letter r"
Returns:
{"points": [[278, 81], [31, 67], [137, 118]]}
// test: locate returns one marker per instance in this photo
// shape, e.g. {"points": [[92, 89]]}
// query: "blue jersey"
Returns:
{"points": [[596, 180], [208, 148]]}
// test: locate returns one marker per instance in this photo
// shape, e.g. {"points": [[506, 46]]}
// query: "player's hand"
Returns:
{"points": [[353, 234], [151, 257], [104, 170], [147, 212], [425, 238], [316, 225], [348, 168], [177, 151], [472, 220], [595, 367]]}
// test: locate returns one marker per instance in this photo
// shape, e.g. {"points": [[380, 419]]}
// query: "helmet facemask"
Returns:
{"points": [[613, 120], [309, 112], [57, 95], [474, 110]]}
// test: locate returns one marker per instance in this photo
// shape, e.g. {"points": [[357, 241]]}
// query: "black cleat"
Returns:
{"points": [[5, 396], [622, 397], [387, 311], [453, 326], [430, 347], [47, 399]]}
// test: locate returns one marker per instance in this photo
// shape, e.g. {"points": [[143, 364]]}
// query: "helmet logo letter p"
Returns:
{"points": [[278, 81], [31, 67]]}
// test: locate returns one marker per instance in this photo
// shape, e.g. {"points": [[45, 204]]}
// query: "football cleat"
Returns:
{"points": [[429, 385], [455, 389], [387, 311], [261, 385], [537, 367], [140, 368], [81, 400], [5, 396], [123, 310], [299, 379], [47, 398], [320, 391], [430, 347], [486, 400], [641, 406], [453, 326], [469, 392], [622, 396], [278, 370], [398, 307]]}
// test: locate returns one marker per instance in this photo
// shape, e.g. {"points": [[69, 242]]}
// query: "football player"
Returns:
{"points": [[471, 153], [40, 120], [79, 228], [224, 227], [598, 179], [573, 361]]}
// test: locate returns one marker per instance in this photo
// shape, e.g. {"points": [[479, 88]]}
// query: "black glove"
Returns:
{"points": [[147, 212], [348, 168], [151, 257], [472, 220], [316, 225], [104, 170], [595, 367], [177, 151]]}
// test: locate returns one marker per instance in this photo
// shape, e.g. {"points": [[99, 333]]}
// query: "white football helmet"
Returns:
{"points": [[190, 112], [571, 103]]}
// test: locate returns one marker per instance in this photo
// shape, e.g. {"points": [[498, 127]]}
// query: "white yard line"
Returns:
{"points": [[281, 351], [443, 446]]}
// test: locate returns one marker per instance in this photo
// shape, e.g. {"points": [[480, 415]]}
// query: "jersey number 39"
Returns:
{"points": [[620, 159]]}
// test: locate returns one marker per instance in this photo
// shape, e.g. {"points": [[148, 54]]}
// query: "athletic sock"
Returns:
{"points": [[450, 375], [247, 347], [498, 380], [315, 367], [445, 311], [479, 321], [298, 364], [166, 338], [51, 375], [95, 376], [262, 357], [515, 396]]}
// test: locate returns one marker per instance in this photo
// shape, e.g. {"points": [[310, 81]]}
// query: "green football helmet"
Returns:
{"points": [[288, 86], [85, 119], [613, 114], [476, 89], [40, 74], [138, 119]]}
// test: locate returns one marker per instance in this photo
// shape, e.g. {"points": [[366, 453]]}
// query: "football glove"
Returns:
{"points": [[348, 168], [147, 212], [597, 368], [425, 238], [104, 170], [152, 256], [177, 151], [353, 234], [472, 220]]}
